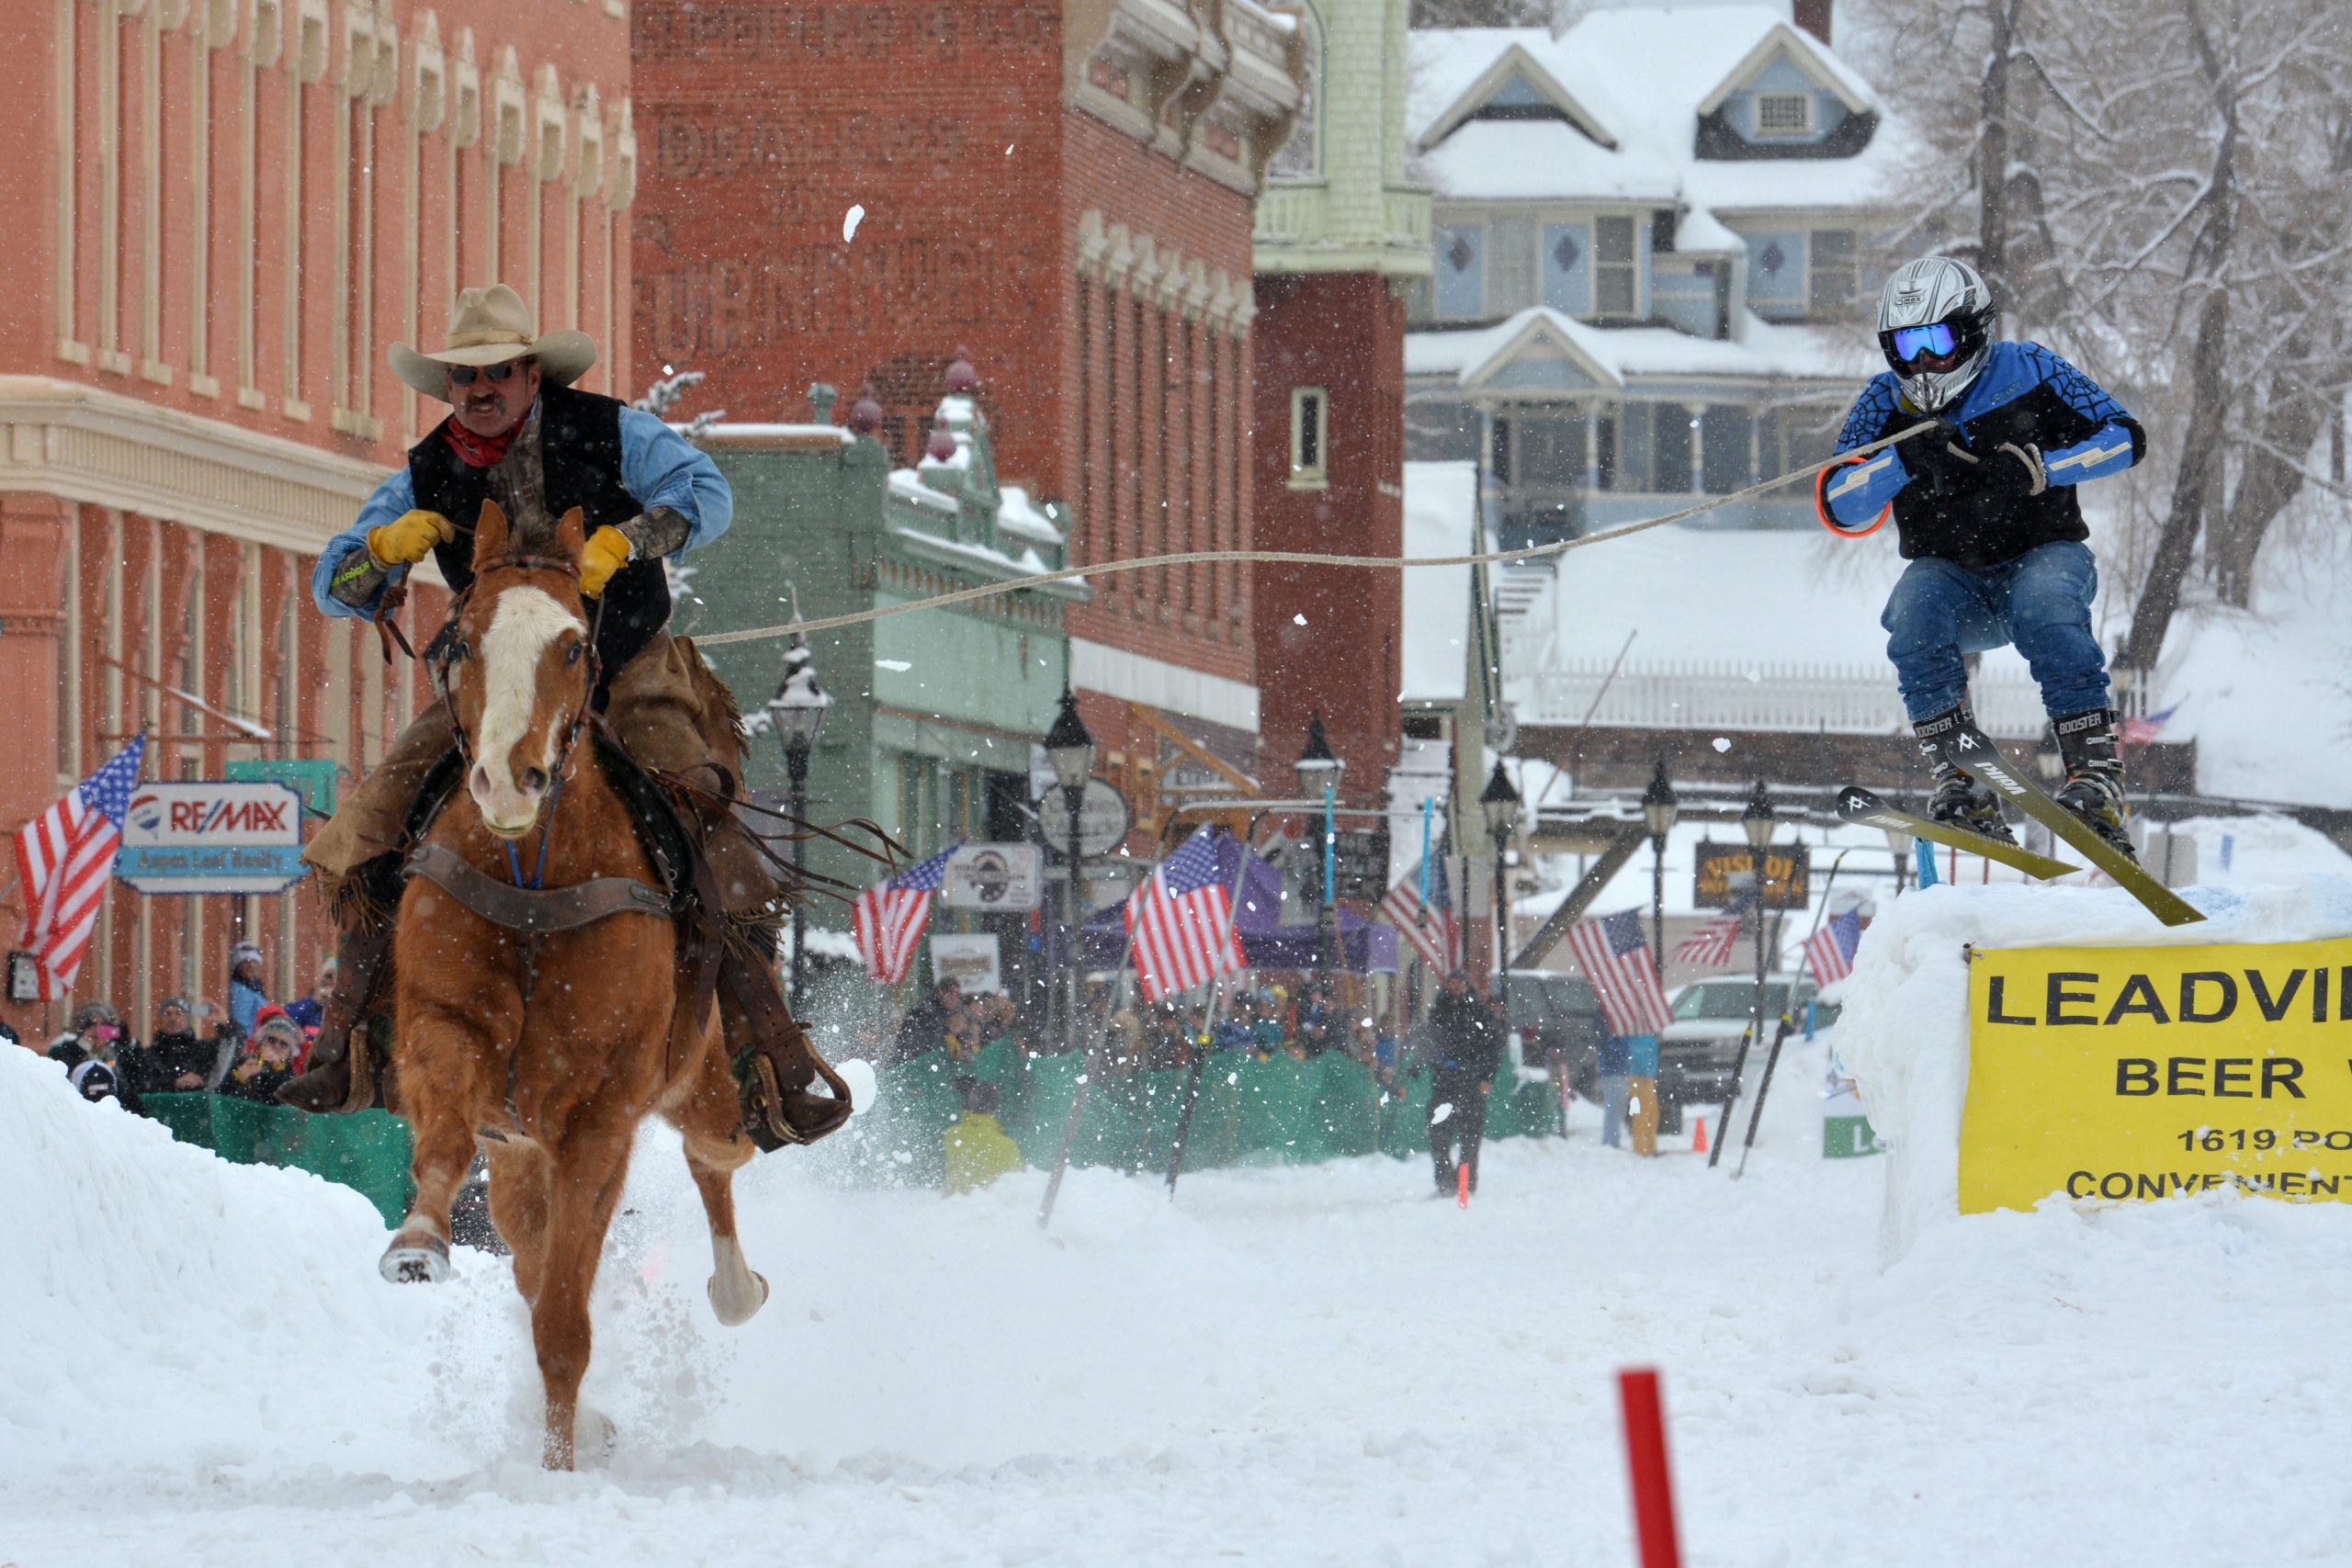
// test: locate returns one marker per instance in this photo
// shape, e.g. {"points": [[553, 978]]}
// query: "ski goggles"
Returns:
{"points": [[1937, 339], [463, 375]]}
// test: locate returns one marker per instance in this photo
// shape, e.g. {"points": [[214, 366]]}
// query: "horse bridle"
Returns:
{"points": [[448, 646]]}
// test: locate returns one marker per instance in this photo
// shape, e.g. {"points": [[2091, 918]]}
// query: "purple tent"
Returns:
{"points": [[1365, 947]]}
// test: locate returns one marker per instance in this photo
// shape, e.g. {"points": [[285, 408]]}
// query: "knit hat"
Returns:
{"points": [[274, 1017]]}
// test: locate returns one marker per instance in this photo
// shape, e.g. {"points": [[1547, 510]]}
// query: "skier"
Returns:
{"points": [[1985, 513]]}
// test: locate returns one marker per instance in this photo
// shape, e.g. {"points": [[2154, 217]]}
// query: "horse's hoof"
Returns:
{"points": [[416, 1258], [735, 1300], [593, 1436]]}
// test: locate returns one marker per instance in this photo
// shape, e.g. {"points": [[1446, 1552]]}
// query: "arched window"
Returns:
{"points": [[1301, 157]]}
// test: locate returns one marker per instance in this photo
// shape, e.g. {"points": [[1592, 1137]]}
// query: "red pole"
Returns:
{"points": [[1461, 1186], [1646, 1459]]}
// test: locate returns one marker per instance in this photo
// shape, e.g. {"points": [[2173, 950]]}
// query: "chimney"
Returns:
{"points": [[1813, 17]]}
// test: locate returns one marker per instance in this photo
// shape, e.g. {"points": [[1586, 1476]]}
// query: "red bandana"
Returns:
{"points": [[478, 451]]}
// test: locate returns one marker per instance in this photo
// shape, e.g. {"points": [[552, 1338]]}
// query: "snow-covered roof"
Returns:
{"points": [[1440, 519], [1639, 78], [1611, 355]]}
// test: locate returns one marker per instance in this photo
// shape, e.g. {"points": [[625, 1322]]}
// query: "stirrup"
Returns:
{"points": [[778, 1049]]}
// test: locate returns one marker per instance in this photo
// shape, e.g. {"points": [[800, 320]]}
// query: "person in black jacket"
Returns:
{"points": [[1985, 512], [174, 1060], [1465, 1050]]}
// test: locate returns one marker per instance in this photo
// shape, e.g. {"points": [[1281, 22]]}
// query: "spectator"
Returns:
{"points": [[64, 1048], [924, 1029], [1641, 1087], [245, 997], [1614, 1062], [310, 1011], [268, 1059], [1266, 1028], [95, 1080], [979, 1149], [174, 1061], [1318, 1019], [98, 1028], [1233, 1029], [1465, 1050], [961, 1039]]}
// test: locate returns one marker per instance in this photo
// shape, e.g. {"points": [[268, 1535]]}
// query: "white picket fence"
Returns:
{"points": [[1854, 698]]}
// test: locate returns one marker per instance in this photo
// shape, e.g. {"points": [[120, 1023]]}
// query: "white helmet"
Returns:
{"points": [[1935, 326]]}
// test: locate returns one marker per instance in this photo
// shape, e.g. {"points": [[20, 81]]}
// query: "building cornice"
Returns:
{"points": [[86, 444]]}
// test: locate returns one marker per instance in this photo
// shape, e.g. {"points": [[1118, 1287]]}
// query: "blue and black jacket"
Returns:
{"points": [[2026, 397]]}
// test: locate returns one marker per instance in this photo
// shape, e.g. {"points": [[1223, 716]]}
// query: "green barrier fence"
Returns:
{"points": [[1280, 1112], [367, 1151]]}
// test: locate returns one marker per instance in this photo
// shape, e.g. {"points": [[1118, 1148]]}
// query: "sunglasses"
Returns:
{"points": [[1935, 340], [463, 375]]}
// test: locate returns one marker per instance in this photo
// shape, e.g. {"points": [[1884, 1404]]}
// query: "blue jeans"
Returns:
{"points": [[1614, 1089], [2041, 602]]}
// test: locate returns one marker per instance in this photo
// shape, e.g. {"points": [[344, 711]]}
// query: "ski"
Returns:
{"points": [[1970, 749], [1859, 805]]}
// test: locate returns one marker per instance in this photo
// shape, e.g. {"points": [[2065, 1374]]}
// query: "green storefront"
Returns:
{"points": [[934, 712]]}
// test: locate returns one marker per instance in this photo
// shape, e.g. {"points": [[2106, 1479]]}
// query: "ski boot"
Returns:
{"points": [[1960, 801], [2094, 788]]}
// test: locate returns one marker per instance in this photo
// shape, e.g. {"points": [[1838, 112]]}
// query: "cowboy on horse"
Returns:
{"points": [[520, 436]]}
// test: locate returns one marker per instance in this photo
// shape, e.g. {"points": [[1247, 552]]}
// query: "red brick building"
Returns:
{"points": [[224, 212], [1341, 230], [848, 192]]}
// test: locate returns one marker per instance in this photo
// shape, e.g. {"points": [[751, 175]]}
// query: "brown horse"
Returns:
{"points": [[550, 1047]]}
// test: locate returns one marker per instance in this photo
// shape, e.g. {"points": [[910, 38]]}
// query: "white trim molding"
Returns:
{"points": [[1155, 683], [100, 449]]}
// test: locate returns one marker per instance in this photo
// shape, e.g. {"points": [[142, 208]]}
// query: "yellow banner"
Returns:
{"points": [[2124, 1073]]}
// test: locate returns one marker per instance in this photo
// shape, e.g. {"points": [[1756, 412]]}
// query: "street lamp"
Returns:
{"points": [[1069, 747], [1659, 807], [798, 709], [1499, 801], [1319, 768]]}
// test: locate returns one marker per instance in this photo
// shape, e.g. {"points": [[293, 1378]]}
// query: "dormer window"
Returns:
{"points": [[1784, 114]]}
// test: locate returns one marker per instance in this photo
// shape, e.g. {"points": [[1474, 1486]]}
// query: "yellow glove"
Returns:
{"points": [[409, 538], [606, 553]]}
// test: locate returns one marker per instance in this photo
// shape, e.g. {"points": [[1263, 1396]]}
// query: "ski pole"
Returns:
{"points": [[1756, 1116], [1731, 1099]]}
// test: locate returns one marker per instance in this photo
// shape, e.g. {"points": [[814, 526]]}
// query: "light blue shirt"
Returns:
{"points": [[658, 467]]}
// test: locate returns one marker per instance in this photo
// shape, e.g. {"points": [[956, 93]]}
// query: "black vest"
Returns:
{"points": [[580, 459]]}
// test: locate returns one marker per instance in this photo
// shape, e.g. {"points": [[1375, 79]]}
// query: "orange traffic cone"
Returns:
{"points": [[1699, 1136]]}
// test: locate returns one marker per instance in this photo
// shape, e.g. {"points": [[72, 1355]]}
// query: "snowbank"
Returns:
{"points": [[1905, 1032]]}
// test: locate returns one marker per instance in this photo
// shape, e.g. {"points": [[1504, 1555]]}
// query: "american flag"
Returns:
{"points": [[1430, 926], [1831, 949], [1182, 921], [64, 858], [889, 918], [1616, 960], [2143, 731], [1710, 946]]}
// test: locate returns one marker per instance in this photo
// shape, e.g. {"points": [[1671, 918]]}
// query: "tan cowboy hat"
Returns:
{"points": [[491, 326]]}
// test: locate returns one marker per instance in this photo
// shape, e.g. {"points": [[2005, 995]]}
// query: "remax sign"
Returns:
{"points": [[212, 836]]}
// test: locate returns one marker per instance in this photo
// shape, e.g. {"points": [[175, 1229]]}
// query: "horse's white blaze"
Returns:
{"points": [[526, 621]]}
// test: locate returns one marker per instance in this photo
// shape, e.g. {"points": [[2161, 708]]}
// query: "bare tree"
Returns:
{"points": [[2157, 187]]}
